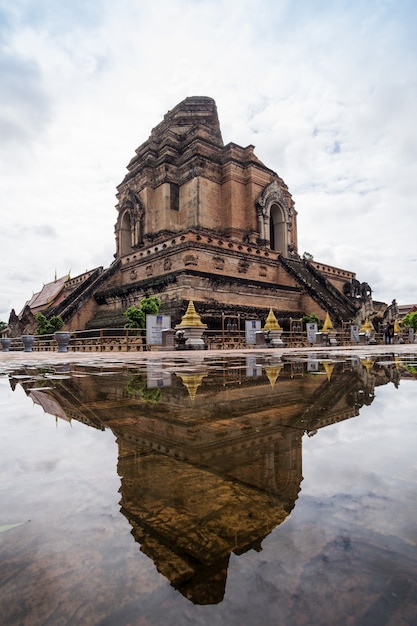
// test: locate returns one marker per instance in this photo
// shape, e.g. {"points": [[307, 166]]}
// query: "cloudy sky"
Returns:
{"points": [[326, 91]]}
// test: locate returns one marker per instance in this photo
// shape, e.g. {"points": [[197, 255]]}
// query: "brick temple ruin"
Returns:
{"points": [[203, 221]]}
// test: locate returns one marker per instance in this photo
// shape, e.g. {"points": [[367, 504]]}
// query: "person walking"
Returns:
{"points": [[390, 332]]}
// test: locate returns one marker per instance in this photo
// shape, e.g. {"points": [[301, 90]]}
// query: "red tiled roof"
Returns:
{"points": [[403, 309], [48, 294], [48, 404]]}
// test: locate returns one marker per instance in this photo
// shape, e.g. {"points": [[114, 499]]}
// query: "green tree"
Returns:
{"points": [[311, 319], [42, 324], [2, 325], [56, 323], [410, 320], [136, 316], [150, 305], [48, 326]]}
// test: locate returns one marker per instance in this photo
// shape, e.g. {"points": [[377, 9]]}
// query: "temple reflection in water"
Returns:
{"points": [[209, 452]]}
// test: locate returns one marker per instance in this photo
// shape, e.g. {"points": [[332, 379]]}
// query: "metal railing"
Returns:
{"points": [[95, 340], [134, 340]]}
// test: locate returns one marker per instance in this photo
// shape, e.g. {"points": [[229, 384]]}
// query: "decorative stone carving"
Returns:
{"points": [[275, 218], [218, 262], [190, 259], [242, 267]]}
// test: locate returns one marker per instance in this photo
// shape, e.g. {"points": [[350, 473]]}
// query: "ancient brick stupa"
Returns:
{"points": [[208, 222]]}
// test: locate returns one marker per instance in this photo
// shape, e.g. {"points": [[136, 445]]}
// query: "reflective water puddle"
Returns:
{"points": [[231, 491]]}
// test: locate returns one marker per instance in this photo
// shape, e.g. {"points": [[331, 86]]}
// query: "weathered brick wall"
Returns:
{"points": [[218, 185], [82, 316], [206, 254], [337, 276]]}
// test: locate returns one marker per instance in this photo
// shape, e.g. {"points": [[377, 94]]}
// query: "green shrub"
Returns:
{"points": [[136, 316], [311, 319], [410, 320], [48, 326]]}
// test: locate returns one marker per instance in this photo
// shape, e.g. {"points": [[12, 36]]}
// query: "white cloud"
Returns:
{"points": [[324, 90]]}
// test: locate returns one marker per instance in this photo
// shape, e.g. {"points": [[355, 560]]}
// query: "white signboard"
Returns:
{"points": [[354, 333], [312, 363], [155, 324], [251, 327], [156, 375], [252, 367], [311, 332]]}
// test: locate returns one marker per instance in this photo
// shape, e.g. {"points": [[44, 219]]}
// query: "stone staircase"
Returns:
{"points": [[68, 307], [340, 307]]}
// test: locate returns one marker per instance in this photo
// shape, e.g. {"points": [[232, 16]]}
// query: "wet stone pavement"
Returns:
{"points": [[242, 487]]}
